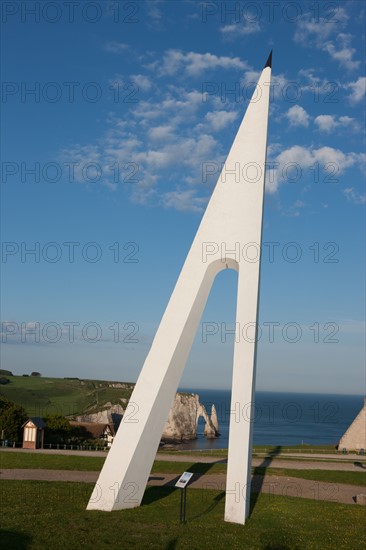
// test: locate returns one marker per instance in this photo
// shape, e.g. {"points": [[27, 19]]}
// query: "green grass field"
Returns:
{"points": [[261, 449], [41, 395], [81, 463], [38, 515]]}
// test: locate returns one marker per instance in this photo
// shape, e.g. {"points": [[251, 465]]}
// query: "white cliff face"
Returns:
{"points": [[214, 419], [354, 438], [212, 425], [183, 418], [111, 414]]}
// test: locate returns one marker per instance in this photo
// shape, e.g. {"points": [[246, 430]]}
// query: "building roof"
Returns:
{"points": [[95, 429], [37, 421]]}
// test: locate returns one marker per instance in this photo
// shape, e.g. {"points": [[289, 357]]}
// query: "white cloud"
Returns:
{"points": [[353, 196], [313, 82], [160, 133], [193, 64], [291, 163], [87, 165], [186, 151], [116, 47], [346, 120], [130, 86], [297, 116], [170, 135], [329, 123], [326, 123], [174, 107], [251, 77], [235, 30], [324, 34], [345, 54], [143, 193], [185, 201], [220, 119], [310, 31], [157, 144], [358, 89], [336, 157], [142, 82], [294, 210], [154, 15]]}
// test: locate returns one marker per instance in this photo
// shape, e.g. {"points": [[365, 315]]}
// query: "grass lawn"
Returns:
{"points": [[282, 455], [38, 515], [41, 395], [50, 462], [260, 449], [329, 476], [86, 463]]}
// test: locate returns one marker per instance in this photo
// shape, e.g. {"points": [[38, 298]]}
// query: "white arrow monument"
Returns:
{"points": [[230, 227]]}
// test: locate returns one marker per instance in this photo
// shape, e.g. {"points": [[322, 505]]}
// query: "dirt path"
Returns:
{"points": [[268, 484]]}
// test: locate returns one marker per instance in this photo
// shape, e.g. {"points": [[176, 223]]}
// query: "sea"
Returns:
{"points": [[279, 418]]}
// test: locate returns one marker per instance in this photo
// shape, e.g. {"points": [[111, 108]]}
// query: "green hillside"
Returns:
{"points": [[41, 395]]}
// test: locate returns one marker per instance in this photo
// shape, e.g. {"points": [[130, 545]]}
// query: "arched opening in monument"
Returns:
{"points": [[210, 362]]}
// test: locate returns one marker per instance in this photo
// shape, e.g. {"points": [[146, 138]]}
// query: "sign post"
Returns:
{"points": [[182, 484]]}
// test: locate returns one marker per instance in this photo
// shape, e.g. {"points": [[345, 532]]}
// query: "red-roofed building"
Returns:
{"points": [[96, 430]]}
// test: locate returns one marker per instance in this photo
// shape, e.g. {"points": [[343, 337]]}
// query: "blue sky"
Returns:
{"points": [[113, 115]]}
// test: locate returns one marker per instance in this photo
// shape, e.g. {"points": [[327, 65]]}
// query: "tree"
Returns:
{"points": [[12, 418], [58, 428], [35, 373], [6, 372], [4, 403]]}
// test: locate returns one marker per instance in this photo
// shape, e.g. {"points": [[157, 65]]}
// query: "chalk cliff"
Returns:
{"points": [[354, 438], [111, 414], [182, 420], [183, 417], [212, 425]]}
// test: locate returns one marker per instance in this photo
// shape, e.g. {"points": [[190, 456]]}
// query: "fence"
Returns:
{"points": [[58, 446]]}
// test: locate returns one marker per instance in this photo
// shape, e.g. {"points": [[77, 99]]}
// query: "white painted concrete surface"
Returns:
{"points": [[233, 220]]}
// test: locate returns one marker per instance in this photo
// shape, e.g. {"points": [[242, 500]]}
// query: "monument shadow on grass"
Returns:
{"points": [[211, 507], [258, 477], [15, 539], [172, 544], [153, 494]]}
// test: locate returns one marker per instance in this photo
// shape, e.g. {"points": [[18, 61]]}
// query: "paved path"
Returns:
{"points": [[268, 484]]}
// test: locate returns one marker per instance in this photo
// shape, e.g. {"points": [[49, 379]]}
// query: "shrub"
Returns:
{"points": [[58, 428], [12, 418]]}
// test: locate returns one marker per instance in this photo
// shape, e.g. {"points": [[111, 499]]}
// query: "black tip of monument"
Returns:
{"points": [[269, 61]]}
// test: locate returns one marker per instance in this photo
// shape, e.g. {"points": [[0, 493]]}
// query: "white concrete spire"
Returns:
{"points": [[229, 236]]}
